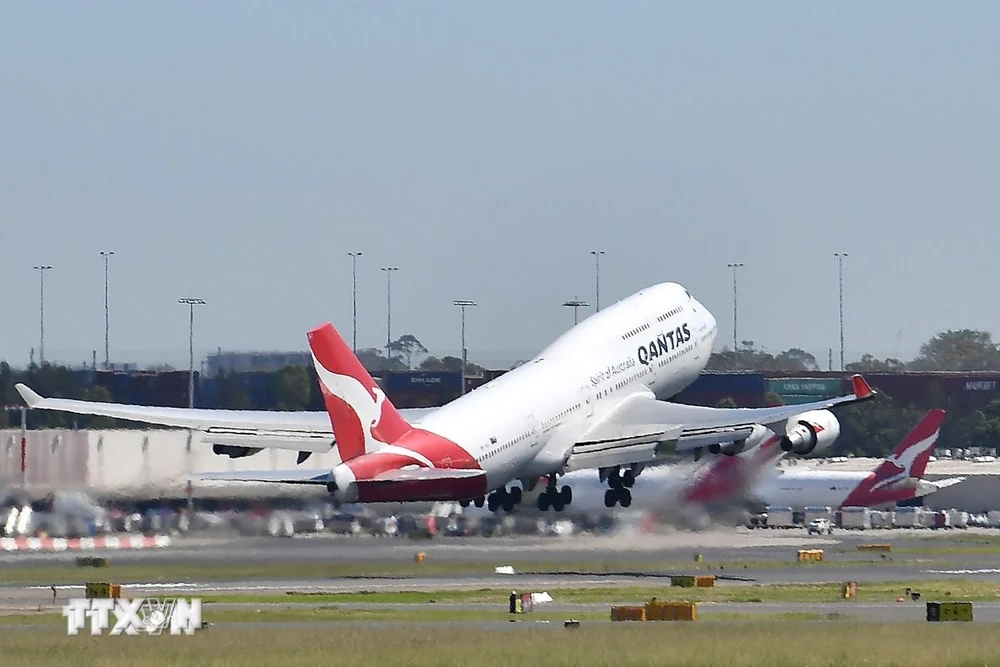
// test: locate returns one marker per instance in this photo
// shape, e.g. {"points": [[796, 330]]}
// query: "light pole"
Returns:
{"points": [[41, 313], [191, 302], [840, 271], [597, 278], [388, 308], [354, 296], [106, 254], [576, 304], [734, 266], [463, 304]]}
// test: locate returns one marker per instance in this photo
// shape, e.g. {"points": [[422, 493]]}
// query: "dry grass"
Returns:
{"points": [[745, 644], [954, 589]]}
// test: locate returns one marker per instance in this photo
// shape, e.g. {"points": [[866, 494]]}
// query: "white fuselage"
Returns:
{"points": [[808, 488], [524, 423]]}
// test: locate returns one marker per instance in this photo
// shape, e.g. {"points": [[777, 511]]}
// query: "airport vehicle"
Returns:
{"points": [[820, 526], [593, 399]]}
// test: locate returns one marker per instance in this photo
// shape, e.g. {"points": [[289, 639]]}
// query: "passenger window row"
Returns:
{"points": [[669, 314], [635, 332]]}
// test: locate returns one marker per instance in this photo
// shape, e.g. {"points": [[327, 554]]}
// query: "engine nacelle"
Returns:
{"points": [[810, 432], [234, 452], [732, 448]]}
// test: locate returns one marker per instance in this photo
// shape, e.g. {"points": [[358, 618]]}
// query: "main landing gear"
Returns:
{"points": [[618, 491], [501, 498], [556, 499]]}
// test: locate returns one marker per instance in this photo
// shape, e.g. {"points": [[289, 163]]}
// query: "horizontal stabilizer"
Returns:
{"points": [[314, 476], [304, 442], [945, 483]]}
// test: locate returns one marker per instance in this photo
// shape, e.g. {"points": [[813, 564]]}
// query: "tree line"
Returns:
{"points": [[952, 350]]}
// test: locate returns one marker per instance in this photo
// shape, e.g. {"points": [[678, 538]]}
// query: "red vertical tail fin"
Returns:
{"points": [[914, 451], [362, 417]]}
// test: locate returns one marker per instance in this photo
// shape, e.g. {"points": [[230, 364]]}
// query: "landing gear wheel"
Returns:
{"points": [[628, 479], [543, 502], [508, 503], [610, 498], [464, 503], [480, 501], [492, 502], [566, 495], [515, 494], [614, 481], [557, 504], [625, 497]]}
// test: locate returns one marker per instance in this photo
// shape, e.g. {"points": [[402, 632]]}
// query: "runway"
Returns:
{"points": [[763, 556], [625, 547], [737, 557]]}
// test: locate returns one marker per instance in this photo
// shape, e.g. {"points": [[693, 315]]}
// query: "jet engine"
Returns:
{"points": [[234, 452], [734, 447], [810, 432]]}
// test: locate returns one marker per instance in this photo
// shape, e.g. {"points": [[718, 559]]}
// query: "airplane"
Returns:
{"points": [[593, 399], [753, 478], [898, 478]]}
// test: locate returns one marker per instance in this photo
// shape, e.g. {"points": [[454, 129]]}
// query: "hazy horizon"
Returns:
{"points": [[238, 151]]}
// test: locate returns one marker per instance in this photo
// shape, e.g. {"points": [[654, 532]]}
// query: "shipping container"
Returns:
{"points": [[908, 517], [780, 517], [728, 383], [993, 518], [923, 390], [813, 513], [958, 518], [855, 518], [794, 399], [815, 387], [439, 382], [712, 399]]}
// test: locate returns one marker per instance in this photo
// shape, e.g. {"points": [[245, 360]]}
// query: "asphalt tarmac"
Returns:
{"points": [[722, 544], [735, 556]]}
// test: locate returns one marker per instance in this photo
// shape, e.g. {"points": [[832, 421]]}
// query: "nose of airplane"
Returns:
{"points": [[711, 325]]}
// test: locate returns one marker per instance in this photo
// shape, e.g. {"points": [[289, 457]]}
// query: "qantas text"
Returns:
{"points": [[665, 343]]}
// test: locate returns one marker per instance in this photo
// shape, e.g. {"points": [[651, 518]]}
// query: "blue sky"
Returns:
{"points": [[238, 150]]}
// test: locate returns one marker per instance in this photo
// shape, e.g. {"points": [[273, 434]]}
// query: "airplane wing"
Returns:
{"points": [[641, 428], [301, 431]]}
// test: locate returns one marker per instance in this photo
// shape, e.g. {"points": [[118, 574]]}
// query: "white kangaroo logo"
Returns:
{"points": [[907, 458], [368, 409]]}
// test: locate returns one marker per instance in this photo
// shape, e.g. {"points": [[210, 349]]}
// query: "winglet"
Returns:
{"points": [[861, 388], [30, 397]]}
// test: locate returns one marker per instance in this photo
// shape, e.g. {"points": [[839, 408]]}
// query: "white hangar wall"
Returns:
{"points": [[134, 463]]}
